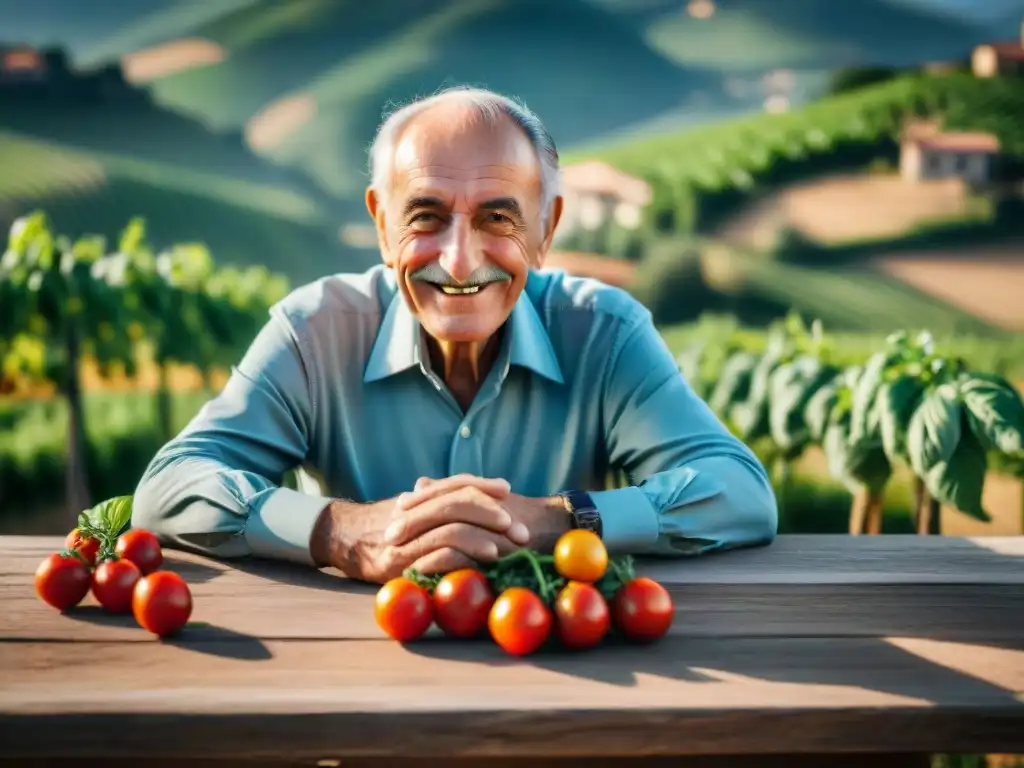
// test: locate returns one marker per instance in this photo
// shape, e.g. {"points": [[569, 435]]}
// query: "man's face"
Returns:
{"points": [[462, 224]]}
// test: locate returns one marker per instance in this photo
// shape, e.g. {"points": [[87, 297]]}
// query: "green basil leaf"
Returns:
{"points": [[855, 466], [959, 481], [896, 402], [733, 385], [791, 387], [818, 411], [864, 417], [112, 516], [995, 412], [934, 429]]}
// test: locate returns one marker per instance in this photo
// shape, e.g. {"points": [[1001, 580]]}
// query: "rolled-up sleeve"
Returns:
{"points": [[696, 487], [216, 487]]}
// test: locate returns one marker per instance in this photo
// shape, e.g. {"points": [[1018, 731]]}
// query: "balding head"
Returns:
{"points": [[475, 107], [465, 199]]}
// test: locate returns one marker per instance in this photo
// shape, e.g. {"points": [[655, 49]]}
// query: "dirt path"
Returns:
{"points": [[845, 207], [989, 283], [279, 119], [170, 58]]}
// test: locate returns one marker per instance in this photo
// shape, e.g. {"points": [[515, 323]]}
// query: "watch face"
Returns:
{"points": [[589, 520]]}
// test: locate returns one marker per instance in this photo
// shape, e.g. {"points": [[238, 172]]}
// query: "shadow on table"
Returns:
{"points": [[789, 668], [192, 571], [924, 638], [200, 636], [295, 575]]}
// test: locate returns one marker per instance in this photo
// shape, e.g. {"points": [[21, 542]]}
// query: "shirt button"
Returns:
{"points": [[465, 431]]}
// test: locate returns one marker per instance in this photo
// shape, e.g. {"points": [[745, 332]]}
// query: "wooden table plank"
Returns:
{"points": [[275, 600], [816, 644], [790, 559], [696, 696]]}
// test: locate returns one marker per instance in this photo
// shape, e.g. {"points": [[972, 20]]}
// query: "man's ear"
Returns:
{"points": [[376, 208], [549, 233]]}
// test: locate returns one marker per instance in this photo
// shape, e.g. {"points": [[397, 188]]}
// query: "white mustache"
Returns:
{"points": [[436, 274]]}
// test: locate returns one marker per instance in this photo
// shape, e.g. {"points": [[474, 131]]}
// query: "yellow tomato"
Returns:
{"points": [[580, 556]]}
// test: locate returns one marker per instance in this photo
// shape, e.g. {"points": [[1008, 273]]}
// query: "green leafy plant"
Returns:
{"points": [[61, 301], [105, 522], [906, 404]]}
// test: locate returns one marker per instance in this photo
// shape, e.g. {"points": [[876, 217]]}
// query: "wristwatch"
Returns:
{"points": [[583, 511]]}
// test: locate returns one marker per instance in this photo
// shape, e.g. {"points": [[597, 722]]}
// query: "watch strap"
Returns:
{"points": [[583, 511]]}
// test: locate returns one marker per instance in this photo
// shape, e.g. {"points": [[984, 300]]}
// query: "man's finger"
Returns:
{"points": [[476, 543], [443, 561], [422, 482], [493, 486], [465, 505]]}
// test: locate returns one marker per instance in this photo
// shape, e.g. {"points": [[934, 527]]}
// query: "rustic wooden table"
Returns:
{"points": [[873, 648]]}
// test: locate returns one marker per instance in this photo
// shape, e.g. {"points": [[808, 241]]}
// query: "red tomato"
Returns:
{"points": [[462, 600], [62, 581], [142, 548], [643, 610], [582, 617], [87, 546], [519, 621], [403, 609], [113, 584], [162, 602]]}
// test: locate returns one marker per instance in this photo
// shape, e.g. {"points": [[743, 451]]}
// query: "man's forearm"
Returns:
{"points": [[198, 503], [714, 502]]}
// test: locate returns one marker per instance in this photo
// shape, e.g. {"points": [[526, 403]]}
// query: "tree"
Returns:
{"points": [[61, 301], [63, 294]]}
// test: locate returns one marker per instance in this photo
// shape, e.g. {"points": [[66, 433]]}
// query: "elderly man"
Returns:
{"points": [[455, 403]]}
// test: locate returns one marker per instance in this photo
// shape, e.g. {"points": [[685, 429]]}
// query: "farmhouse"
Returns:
{"points": [[994, 59], [927, 152], [21, 64], [595, 192]]}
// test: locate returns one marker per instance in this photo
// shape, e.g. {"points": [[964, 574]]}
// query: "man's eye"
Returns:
{"points": [[498, 218], [426, 216]]}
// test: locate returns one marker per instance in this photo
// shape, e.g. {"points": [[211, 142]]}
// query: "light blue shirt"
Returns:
{"points": [[337, 385]]}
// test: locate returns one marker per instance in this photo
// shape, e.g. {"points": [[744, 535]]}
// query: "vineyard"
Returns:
{"points": [[702, 174], [62, 301], [88, 191], [72, 312]]}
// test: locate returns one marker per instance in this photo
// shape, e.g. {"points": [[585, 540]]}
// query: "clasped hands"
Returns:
{"points": [[441, 525]]}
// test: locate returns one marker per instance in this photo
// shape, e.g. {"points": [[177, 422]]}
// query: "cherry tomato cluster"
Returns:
{"points": [[124, 576], [575, 596]]}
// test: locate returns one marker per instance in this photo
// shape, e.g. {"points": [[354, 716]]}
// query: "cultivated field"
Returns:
{"points": [[170, 58], [988, 283], [848, 207]]}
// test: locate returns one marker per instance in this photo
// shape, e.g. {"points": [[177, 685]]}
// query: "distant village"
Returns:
{"points": [[35, 74], [595, 192]]}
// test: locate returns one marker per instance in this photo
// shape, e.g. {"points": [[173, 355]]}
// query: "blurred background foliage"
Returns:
{"points": [[731, 163]]}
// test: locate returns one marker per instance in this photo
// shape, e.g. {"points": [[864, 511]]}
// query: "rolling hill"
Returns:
{"points": [[243, 222], [351, 59], [307, 79], [757, 35]]}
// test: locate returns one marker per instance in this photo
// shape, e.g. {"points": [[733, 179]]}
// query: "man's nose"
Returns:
{"points": [[459, 255]]}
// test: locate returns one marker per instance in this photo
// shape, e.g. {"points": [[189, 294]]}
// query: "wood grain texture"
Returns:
{"points": [[715, 596], [867, 760], [683, 696], [790, 559], [816, 644]]}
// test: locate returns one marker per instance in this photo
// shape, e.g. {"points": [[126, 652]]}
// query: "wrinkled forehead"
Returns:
{"points": [[465, 162]]}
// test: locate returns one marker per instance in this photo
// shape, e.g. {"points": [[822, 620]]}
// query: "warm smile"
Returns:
{"points": [[458, 290]]}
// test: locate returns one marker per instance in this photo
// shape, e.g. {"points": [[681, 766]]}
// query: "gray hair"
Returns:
{"points": [[486, 105]]}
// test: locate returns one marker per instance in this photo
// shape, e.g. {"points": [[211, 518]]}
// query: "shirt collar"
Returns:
{"points": [[397, 347]]}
